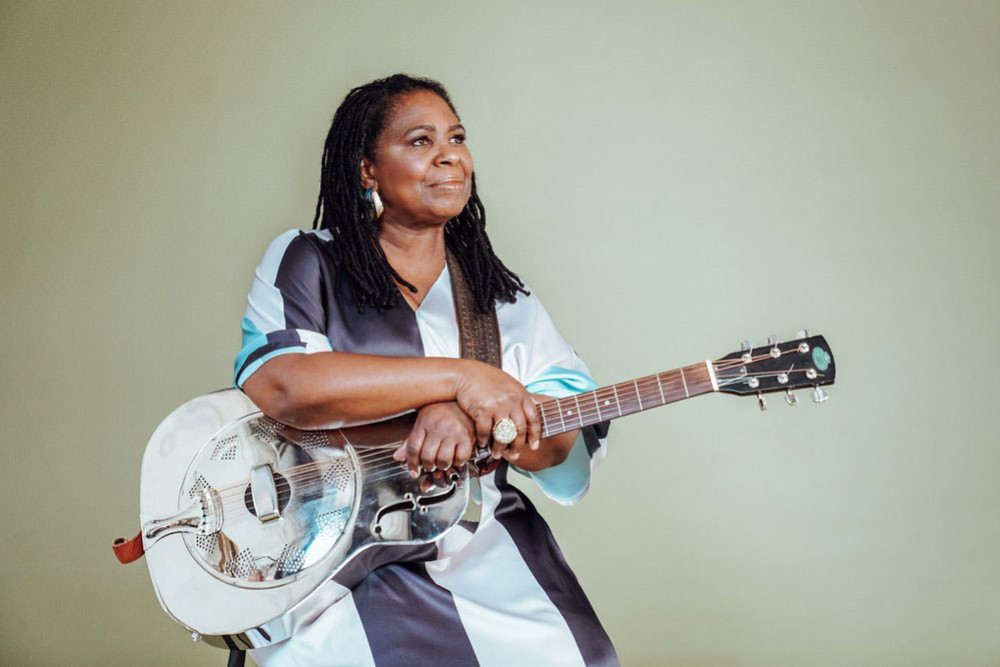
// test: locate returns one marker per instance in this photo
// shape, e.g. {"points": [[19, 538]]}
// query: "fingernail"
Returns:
{"points": [[496, 455], [413, 474], [516, 456], [534, 445]]}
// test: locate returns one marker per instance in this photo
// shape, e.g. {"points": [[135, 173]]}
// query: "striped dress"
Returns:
{"points": [[494, 593]]}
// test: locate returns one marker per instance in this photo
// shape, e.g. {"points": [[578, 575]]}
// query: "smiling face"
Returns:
{"points": [[422, 168]]}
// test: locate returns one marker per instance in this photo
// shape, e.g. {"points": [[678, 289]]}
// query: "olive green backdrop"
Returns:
{"points": [[669, 177]]}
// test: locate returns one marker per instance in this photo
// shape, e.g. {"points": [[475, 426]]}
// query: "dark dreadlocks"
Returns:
{"points": [[342, 209]]}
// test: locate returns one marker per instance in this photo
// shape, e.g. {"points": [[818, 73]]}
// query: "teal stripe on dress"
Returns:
{"points": [[560, 382], [253, 339], [249, 370], [567, 482]]}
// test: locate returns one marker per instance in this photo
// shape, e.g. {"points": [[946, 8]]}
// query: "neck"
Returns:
{"points": [[418, 242], [625, 398]]}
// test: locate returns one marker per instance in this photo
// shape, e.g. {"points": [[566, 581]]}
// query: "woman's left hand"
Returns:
{"points": [[442, 438]]}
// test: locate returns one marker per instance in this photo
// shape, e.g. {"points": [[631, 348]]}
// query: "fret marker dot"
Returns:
{"points": [[569, 412], [607, 402]]}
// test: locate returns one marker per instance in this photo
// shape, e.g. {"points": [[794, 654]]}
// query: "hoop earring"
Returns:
{"points": [[374, 203]]}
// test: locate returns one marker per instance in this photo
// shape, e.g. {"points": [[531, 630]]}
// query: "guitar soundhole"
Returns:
{"points": [[284, 494]]}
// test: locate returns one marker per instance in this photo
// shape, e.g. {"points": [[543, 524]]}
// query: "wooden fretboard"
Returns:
{"points": [[624, 398]]}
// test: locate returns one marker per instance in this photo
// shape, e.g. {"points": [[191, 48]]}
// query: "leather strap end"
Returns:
{"points": [[128, 551]]}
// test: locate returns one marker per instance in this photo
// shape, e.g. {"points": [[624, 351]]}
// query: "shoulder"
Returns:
{"points": [[523, 306], [293, 248], [298, 241], [526, 316]]}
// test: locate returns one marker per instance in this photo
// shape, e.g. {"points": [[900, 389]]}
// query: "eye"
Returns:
{"points": [[422, 140], [458, 139]]}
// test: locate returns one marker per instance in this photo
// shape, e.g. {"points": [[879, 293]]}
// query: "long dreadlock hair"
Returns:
{"points": [[342, 209]]}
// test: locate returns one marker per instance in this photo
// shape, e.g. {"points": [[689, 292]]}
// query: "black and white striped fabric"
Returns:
{"points": [[499, 593]]}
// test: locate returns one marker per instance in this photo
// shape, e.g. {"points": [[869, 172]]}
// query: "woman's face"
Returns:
{"points": [[422, 168]]}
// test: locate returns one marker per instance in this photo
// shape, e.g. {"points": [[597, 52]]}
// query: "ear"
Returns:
{"points": [[367, 174]]}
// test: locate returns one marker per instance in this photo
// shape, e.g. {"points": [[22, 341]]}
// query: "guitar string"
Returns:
{"points": [[550, 409], [382, 457], [312, 467], [305, 471], [315, 470], [550, 413], [236, 518], [305, 484]]}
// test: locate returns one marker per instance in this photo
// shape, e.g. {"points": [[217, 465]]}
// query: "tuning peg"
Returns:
{"points": [[819, 396], [762, 402], [773, 342], [746, 345], [791, 398], [802, 334]]}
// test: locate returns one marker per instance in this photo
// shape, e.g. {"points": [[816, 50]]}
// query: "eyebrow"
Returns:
{"points": [[430, 128]]}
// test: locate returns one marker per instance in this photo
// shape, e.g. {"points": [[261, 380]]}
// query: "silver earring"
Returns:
{"points": [[374, 202]]}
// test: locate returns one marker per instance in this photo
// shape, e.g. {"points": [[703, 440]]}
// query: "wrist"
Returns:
{"points": [[457, 373]]}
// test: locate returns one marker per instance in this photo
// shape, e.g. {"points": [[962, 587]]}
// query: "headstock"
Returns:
{"points": [[806, 361]]}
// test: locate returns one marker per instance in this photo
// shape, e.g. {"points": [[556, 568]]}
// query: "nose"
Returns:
{"points": [[447, 156]]}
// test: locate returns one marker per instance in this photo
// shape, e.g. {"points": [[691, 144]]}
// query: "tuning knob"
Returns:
{"points": [[820, 396], [773, 340], [762, 402], [746, 345], [791, 398], [802, 334]]}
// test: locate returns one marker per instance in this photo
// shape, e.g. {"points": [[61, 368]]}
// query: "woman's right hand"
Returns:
{"points": [[487, 395]]}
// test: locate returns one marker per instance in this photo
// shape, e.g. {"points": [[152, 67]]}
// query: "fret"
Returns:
{"points": [[614, 388], [597, 404], [630, 406], [663, 401], [541, 417], [579, 415], [687, 394]]}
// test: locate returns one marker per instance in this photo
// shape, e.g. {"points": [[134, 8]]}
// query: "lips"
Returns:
{"points": [[449, 184]]}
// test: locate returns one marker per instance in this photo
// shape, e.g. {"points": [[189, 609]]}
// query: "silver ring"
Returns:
{"points": [[505, 431]]}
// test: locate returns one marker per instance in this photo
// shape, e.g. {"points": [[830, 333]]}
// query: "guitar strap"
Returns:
{"points": [[478, 333]]}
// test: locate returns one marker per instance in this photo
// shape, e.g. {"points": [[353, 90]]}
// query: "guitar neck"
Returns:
{"points": [[626, 398]]}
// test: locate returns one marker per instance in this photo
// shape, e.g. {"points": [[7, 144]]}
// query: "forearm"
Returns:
{"points": [[332, 389], [551, 452]]}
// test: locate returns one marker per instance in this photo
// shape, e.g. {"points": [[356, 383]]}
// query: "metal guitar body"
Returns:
{"points": [[243, 519]]}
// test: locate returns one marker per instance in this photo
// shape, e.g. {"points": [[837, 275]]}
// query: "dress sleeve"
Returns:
{"points": [[284, 312], [555, 369]]}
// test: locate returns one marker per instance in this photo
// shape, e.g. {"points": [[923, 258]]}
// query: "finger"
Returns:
{"points": [[428, 453], [512, 454], [426, 484], [463, 452], [522, 429], [445, 454], [534, 425], [484, 429], [413, 446], [498, 447], [400, 453]]}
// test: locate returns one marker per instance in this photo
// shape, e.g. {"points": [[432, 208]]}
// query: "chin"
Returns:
{"points": [[449, 211]]}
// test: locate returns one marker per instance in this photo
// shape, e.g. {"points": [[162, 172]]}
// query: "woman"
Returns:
{"points": [[355, 322]]}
